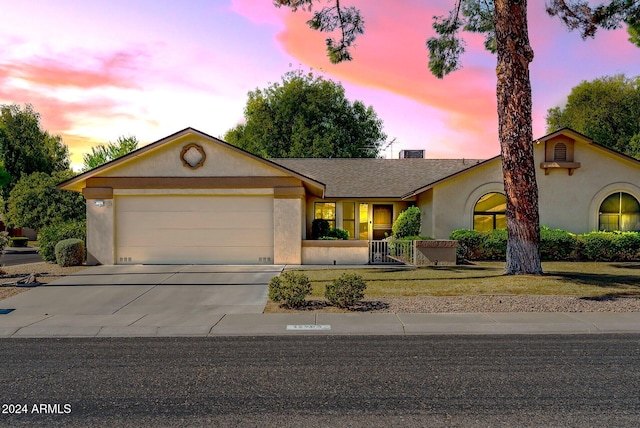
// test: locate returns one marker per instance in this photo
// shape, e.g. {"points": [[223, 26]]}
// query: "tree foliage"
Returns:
{"points": [[346, 20], [307, 116], [35, 201], [504, 24], [606, 109], [25, 147], [105, 153]]}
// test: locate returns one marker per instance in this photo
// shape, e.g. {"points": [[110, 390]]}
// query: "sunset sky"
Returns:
{"points": [[98, 69]]}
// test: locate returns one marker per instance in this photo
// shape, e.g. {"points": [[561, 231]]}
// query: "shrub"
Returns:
{"points": [[346, 290], [70, 252], [4, 239], [469, 243], [610, 246], [289, 289], [49, 236], [319, 228], [495, 245], [407, 224], [474, 245], [557, 244], [18, 241], [337, 234]]}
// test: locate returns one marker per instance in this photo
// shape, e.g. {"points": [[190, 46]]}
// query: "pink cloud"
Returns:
{"points": [[113, 69], [263, 12], [41, 75], [392, 56]]}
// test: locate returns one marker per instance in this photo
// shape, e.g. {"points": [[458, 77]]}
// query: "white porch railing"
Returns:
{"points": [[416, 253], [390, 252]]}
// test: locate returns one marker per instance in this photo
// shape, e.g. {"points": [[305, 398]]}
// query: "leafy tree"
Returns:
{"points": [[35, 201], [26, 148], [504, 24], [606, 109], [307, 116], [104, 153]]}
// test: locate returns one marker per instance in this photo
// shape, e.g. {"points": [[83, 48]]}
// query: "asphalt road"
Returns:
{"points": [[323, 381], [19, 259]]}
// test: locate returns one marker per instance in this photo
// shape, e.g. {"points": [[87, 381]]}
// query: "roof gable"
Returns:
{"points": [[188, 153]]}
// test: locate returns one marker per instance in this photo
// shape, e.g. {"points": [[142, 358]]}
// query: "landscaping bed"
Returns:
{"points": [[44, 272], [481, 287]]}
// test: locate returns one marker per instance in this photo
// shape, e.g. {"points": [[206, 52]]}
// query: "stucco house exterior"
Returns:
{"points": [[191, 198]]}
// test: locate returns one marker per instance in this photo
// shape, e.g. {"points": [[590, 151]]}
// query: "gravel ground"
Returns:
{"points": [[470, 304]]}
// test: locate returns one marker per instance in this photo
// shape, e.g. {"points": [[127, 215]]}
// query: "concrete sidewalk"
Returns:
{"points": [[209, 324]]}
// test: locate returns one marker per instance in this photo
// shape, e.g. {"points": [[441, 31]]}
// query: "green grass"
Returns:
{"points": [[586, 279]]}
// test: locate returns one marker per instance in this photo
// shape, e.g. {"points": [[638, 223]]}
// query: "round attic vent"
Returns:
{"points": [[193, 156]]}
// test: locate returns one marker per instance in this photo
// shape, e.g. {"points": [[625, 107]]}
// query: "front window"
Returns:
{"points": [[619, 211], [349, 218], [326, 211], [364, 222], [489, 212]]}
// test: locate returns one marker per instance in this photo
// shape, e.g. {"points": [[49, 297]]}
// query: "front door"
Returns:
{"points": [[382, 221]]}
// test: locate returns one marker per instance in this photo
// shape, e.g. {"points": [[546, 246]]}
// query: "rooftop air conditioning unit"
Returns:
{"points": [[411, 154]]}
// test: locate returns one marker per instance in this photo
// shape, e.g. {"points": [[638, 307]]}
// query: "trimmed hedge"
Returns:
{"points": [[555, 245], [70, 252], [407, 224], [611, 246], [18, 241], [49, 236]]}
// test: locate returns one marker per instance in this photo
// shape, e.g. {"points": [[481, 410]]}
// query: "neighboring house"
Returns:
{"points": [[193, 199]]}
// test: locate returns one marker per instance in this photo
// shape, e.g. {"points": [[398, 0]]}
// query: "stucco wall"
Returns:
{"points": [[569, 202], [572, 202], [100, 232], [341, 252], [453, 200], [287, 232], [220, 162]]}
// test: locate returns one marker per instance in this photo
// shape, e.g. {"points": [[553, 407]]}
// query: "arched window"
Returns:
{"points": [[619, 211], [489, 212], [560, 152]]}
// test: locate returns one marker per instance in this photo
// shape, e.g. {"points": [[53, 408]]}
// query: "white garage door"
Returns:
{"points": [[205, 229]]}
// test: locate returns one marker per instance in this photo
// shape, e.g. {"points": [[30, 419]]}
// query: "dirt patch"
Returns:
{"points": [[44, 273]]}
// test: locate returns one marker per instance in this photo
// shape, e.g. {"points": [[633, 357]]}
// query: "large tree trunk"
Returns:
{"points": [[516, 135]]}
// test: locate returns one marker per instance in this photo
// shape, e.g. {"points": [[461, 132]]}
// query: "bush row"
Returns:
{"points": [[291, 289], [555, 244]]}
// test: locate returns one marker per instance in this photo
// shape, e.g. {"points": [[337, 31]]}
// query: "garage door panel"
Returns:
{"points": [[186, 220], [180, 229], [200, 237], [202, 203]]}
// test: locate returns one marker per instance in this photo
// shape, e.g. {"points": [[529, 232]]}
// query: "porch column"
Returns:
{"points": [[287, 225]]}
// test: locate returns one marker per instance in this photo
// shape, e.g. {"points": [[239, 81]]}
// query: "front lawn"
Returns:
{"points": [[586, 279]]}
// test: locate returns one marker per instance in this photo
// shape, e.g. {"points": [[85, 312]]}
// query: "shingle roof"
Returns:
{"points": [[375, 178]]}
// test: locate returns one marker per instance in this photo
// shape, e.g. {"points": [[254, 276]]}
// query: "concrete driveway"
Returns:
{"points": [[145, 295]]}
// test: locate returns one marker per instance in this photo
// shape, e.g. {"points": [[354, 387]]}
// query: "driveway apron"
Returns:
{"points": [[146, 294]]}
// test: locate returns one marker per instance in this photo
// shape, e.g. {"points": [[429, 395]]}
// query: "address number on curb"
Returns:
{"points": [[309, 327]]}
